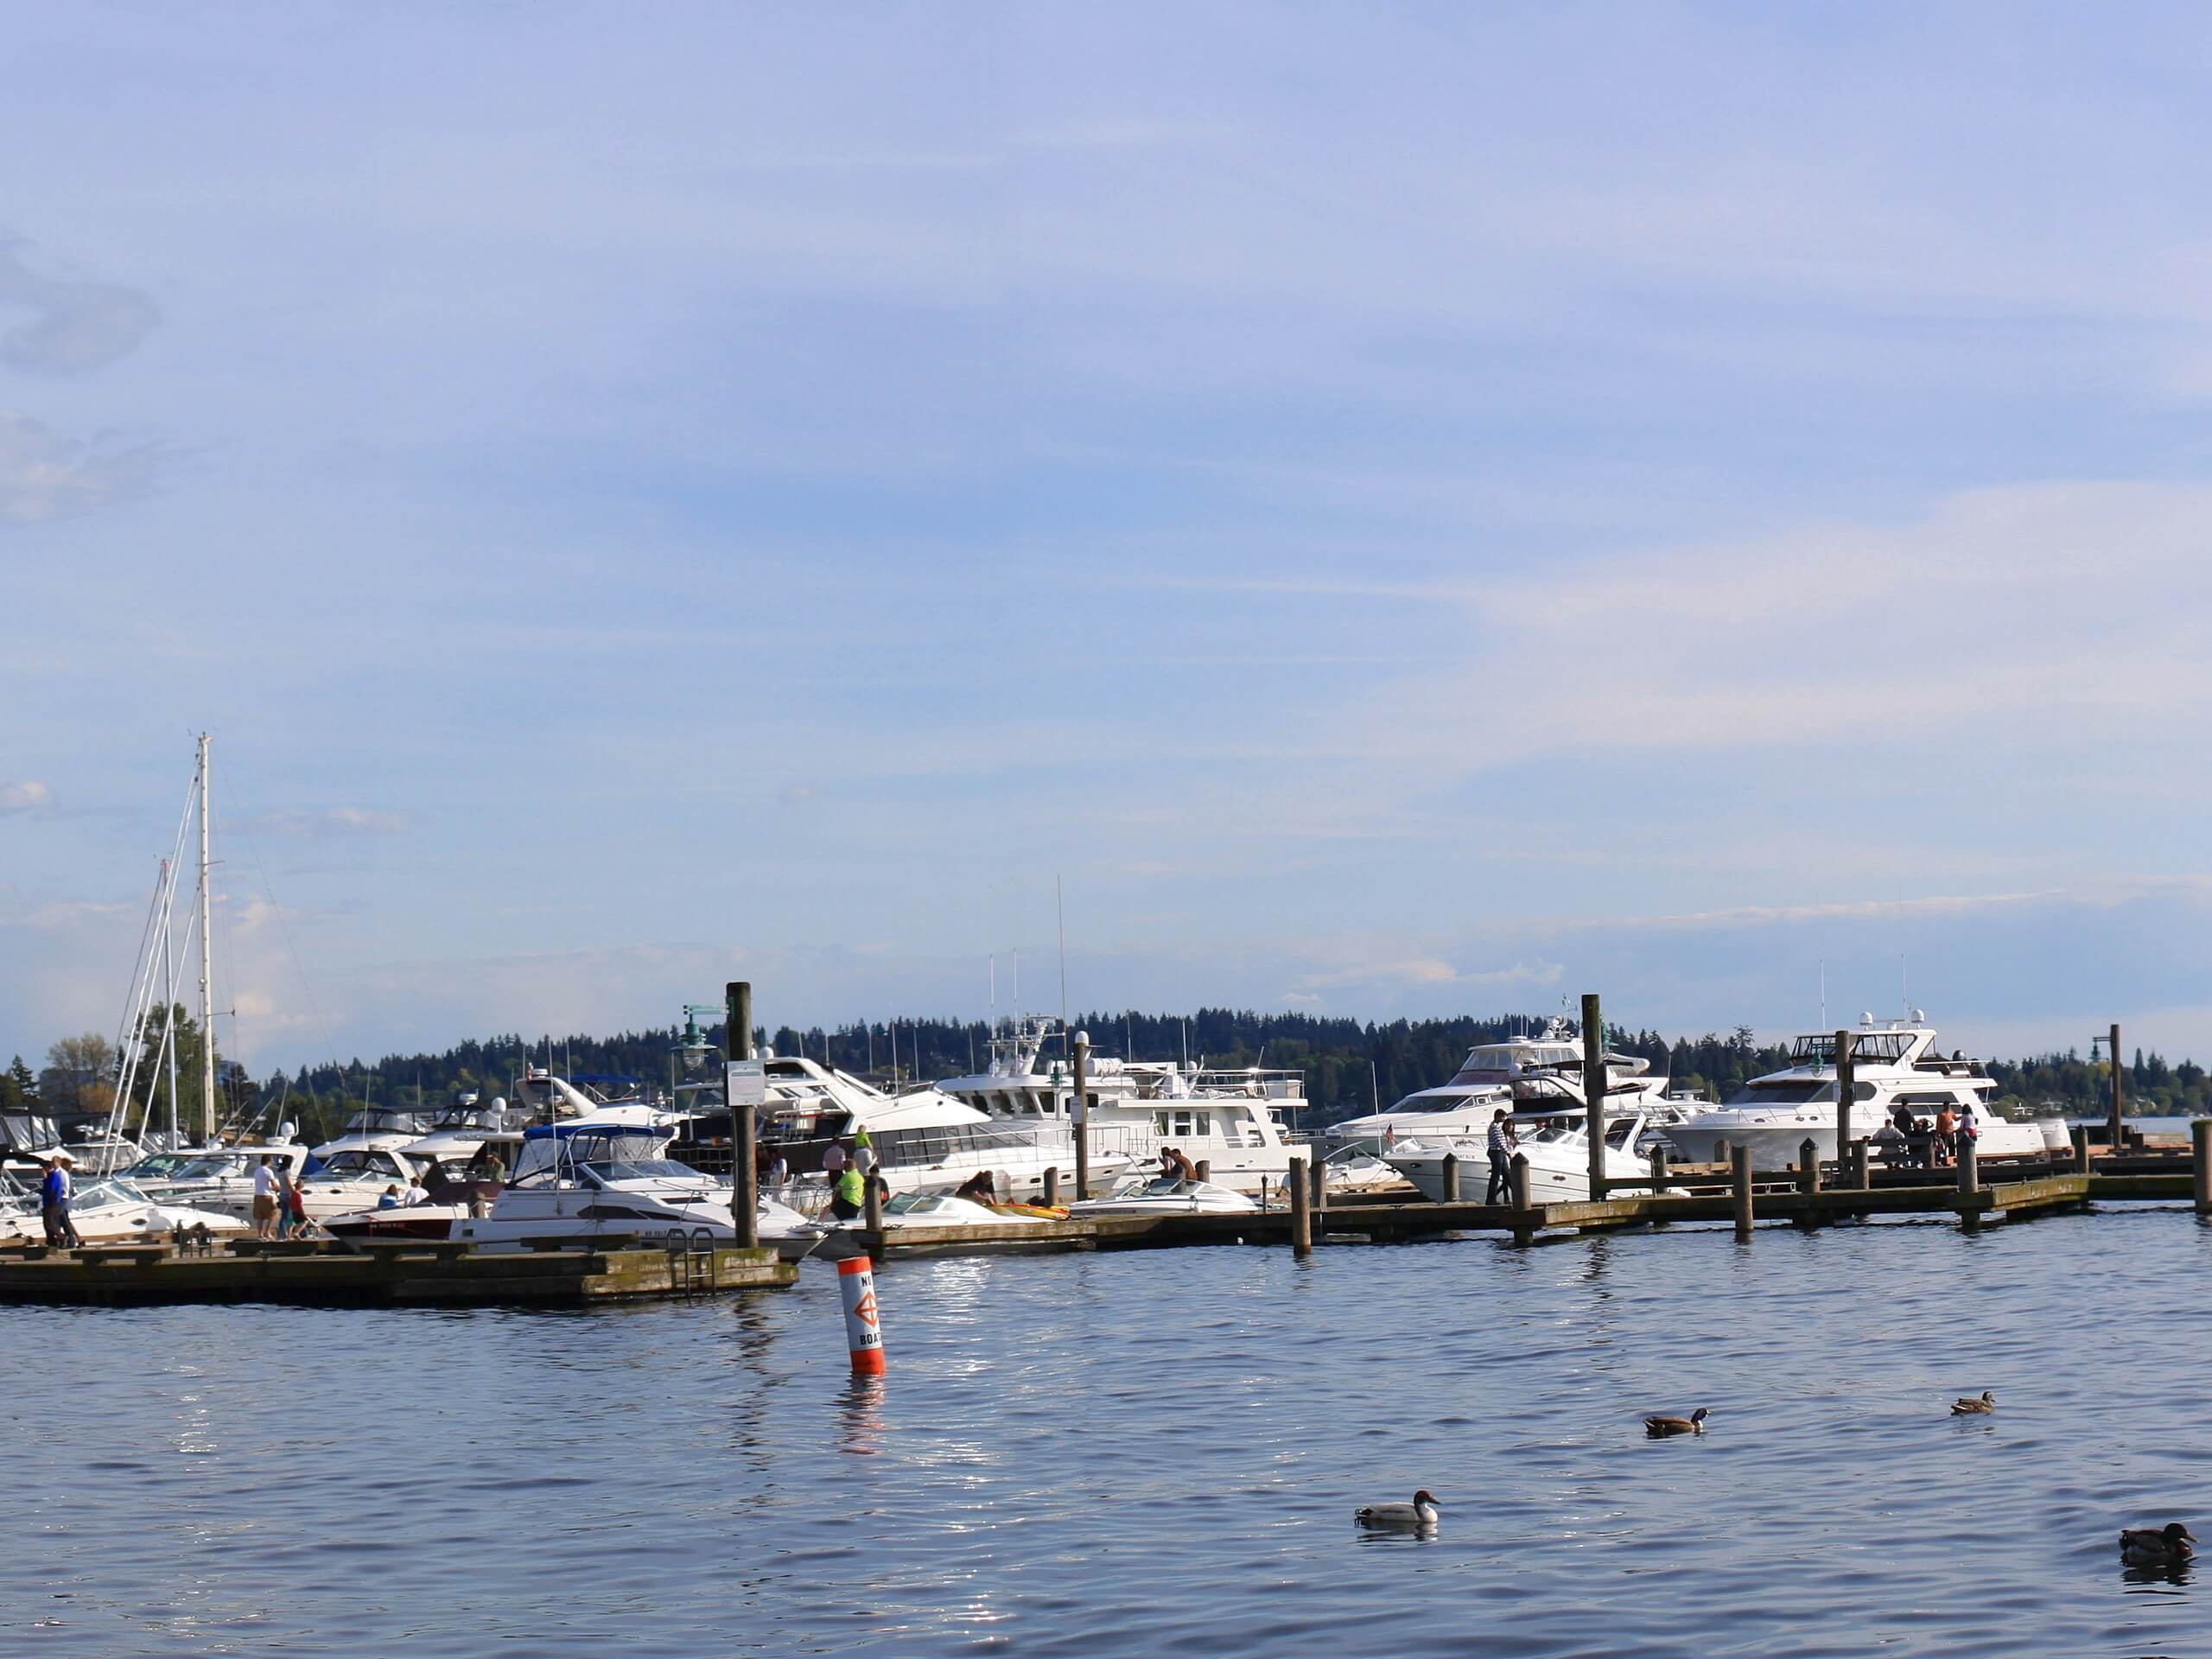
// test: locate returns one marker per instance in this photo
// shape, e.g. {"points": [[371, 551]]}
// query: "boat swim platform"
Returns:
{"points": [[400, 1273], [1773, 1200]]}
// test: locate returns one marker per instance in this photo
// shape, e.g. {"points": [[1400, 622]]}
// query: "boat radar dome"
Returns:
{"points": [[1866, 1019], [1919, 1017], [1083, 1040], [498, 1103]]}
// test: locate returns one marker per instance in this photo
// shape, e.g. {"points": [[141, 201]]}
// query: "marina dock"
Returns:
{"points": [[408, 1274], [2034, 1190]]}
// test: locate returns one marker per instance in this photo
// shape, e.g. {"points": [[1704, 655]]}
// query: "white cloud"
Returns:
{"points": [[25, 797], [75, 324], [325, 821], [46, 476]]}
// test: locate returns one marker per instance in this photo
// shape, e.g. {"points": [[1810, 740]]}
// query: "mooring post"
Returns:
{"points": [[1205, 1169], [1320, 1179], [872, 1210], [1658, 1179], [1969, 1185], [744, 1154], [1523, 1201], [1847, 1082], [1451, 1177], [1859, 1182], [2119, 1128], [2200, 1146], [1301, 1211], [1739, 1161], [2081, 1149], [1052, 1185], [1594, 1090], [1079, 1113], [1808, 1179]]}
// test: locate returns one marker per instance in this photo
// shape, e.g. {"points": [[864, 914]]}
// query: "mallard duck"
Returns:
{"points": [[1400, 1517], [2168, 1544], [1981, 1407], [1659, 1427]]}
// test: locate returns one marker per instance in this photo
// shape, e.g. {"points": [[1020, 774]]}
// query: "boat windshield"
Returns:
{"points": [[355, 1164], [104, 1194], [26, 1132], [642, 1169], [1819, 1048], [384, 1120], [161, 1165], [546, 1157], [215, 1168]]}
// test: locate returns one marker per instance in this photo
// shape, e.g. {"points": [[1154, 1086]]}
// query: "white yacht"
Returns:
{"points": [[1230, 1118], [924, 1140], [608, 1175], [464, 1127], [1167, 1195], [353, 1179], [1896, 1067], [113, 1212], [219, 1179], [375, 1128], [1556, 1143], [1493, 1075]]}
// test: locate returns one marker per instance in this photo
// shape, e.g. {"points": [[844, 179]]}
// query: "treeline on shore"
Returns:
{"points": [[1348, 1067]]}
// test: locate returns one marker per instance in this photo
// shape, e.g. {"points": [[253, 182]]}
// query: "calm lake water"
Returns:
{"points": [[1154, 1454]]}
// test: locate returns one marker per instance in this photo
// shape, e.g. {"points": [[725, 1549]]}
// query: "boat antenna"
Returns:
{"points": [[1824, 994], [1905, 990], [1060, 911]]}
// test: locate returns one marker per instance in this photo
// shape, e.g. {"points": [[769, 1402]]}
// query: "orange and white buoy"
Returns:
{"points": [[863, 1329]]}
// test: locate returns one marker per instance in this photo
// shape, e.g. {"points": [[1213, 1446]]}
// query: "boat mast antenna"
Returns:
{"points": [[207, 964], [1061, 911]]}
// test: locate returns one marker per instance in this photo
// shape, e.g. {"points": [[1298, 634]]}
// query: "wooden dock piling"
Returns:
{"points": [[1739, 1165], [1846, 1086], [1593, 1089], [2200, 1149], [1301, 1211], [1517, 1184], [1051, 1187], [744, 1130], [2081, 1147], [2118, 1128], [872, 1204], [1969, 1186], [1809, 1180], [1318, 1176], [1205, 1169], [1079, 1113], [1451, 1177]]}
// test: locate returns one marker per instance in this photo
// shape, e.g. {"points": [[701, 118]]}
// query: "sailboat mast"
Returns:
{"points": [[169, 993], [207, 968]]}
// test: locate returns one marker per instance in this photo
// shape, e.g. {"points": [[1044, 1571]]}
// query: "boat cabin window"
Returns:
{"points": [[1875, 1045], [1618, 1131], [1791, 1091], [1184, 1123]]}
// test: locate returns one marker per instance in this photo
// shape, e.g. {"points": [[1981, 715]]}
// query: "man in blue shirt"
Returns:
{"points": [[53, 1204]]}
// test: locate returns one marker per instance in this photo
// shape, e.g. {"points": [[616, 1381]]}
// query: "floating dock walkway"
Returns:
{"points": [[398, 1274]]}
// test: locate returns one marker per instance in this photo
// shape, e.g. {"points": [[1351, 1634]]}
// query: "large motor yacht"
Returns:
{"points": [[1555, 1142], [1895, 1067], [1228, 1118], [1518, 1073], [924, 1140], [609, 1175]]}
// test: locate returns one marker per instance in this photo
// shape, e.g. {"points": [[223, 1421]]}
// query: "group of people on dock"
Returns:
{"points": [[280, 1208], [1920, 1143]]}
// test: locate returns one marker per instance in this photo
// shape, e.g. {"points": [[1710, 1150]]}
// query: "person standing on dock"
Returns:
{"points": [[1970, 1131], [848, 1192], [833, 1160], [1503, 1142], [53, 1204], [264, 1198], [1946, 1130]]}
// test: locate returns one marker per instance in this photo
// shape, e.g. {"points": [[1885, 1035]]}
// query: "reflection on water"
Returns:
{"points": [[1155, 1452]]}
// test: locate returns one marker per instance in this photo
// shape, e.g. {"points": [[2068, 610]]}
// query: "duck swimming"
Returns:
{"points": [[1970, 1407], [1400, 1517], [2166, 1546], [1659, 1427]]}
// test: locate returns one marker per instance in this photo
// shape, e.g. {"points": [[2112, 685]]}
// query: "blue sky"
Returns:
{"points": [[1400, 510]]}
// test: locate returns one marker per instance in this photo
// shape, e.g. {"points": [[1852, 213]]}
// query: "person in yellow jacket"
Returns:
{"points": [[846, 1193]]}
